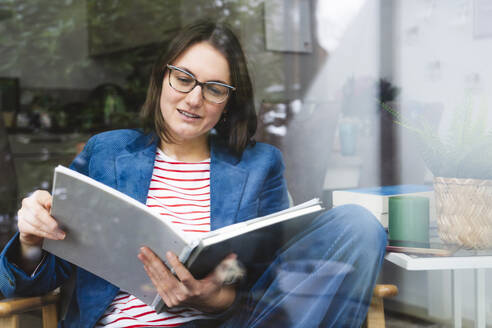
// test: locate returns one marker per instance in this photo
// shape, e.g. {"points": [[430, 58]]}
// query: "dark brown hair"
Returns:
{"points": [[237, 127]]}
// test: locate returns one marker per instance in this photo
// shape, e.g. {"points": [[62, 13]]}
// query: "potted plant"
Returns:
{"points": [[461, 162]]}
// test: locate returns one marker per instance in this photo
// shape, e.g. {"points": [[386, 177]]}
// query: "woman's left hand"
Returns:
{"points": [[206, 295]]}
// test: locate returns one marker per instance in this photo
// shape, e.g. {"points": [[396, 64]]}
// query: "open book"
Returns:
{"points": [[106, 228]]}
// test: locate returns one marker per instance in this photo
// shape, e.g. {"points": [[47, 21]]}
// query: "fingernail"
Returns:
{"points": [[59, 233]]}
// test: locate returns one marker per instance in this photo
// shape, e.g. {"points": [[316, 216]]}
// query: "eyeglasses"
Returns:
{"points": [[182, 81]]}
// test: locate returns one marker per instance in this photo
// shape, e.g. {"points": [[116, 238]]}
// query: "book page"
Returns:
{"points": [[105, 232]]}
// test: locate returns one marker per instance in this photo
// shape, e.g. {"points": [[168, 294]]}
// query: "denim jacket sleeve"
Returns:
{"points": [[52, 271], [274, 196]]}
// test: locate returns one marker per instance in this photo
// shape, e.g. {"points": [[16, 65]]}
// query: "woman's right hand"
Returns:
{"points": [[35, 222]]}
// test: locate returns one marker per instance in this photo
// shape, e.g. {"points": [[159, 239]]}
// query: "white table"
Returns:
{"points": [[455, 263]]}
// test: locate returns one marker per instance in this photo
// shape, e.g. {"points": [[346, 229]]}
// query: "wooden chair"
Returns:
{"points": [[11, 309], [375, 315]]}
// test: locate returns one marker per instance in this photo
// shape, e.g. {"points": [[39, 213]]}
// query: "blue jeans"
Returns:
{"points": [[324, 278]]}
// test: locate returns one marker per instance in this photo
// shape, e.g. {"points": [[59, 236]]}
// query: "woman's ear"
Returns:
{"points": [[223, 117]]}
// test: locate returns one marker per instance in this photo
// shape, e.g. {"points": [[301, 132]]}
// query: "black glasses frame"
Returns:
{"points": [[201, 84]]}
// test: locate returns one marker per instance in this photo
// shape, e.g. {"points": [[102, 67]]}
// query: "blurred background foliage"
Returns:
{"points": [[65, 52]]}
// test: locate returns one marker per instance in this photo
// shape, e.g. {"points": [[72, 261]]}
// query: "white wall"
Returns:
{"points": [[349, 32], [439, 63]]}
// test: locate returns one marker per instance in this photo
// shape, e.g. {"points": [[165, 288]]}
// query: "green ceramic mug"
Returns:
{"points": [[409, 218]]}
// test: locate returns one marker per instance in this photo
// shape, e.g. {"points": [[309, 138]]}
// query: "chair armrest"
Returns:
{"points": [[18, 305], [385, 290]]}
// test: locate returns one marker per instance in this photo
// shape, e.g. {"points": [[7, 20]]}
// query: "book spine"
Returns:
{"points": [[158, 303], [186, 252]]}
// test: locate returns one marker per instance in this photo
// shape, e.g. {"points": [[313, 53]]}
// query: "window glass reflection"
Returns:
{"points": [[354, 93]]}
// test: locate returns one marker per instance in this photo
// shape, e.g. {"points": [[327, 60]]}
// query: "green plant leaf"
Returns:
{"points": [[466, 149]]}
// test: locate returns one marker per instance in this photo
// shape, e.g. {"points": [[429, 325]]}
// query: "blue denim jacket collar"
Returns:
{"points": [[134, 171]]}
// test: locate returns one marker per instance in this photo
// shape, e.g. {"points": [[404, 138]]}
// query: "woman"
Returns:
{"points": [[200, 168]]}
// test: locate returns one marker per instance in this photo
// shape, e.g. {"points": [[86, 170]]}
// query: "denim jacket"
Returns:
{"points": [[241, 188]]}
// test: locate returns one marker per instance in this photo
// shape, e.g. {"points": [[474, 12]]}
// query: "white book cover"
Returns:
{"points": [[375, 199], [106, 228]]}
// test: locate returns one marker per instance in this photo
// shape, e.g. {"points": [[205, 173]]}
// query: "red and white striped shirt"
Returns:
{"points": [[180, 193]]}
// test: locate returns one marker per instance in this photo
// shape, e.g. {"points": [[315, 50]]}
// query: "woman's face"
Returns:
{"points": [[188, 116]]}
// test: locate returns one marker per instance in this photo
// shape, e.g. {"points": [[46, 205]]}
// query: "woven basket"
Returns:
{"points": [[464, 211]]}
